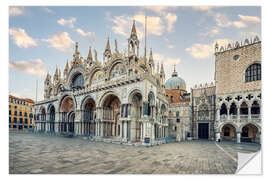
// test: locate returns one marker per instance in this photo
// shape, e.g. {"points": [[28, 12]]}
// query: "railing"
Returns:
{"points": [[255, 116]]}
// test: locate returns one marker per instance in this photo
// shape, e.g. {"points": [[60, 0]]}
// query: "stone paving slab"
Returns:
{"points": [[43, 154]]}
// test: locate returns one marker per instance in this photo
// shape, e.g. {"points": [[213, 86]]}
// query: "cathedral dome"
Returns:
{"points": [[175, 82]]}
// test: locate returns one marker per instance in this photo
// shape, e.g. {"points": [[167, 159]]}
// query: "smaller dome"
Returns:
{"points": [[175, 82]]}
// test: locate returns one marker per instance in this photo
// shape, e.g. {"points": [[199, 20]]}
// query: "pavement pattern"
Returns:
{"points": [[45, 154]]}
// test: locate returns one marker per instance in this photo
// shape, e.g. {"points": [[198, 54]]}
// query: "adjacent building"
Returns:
{"points": [[21, 113]]}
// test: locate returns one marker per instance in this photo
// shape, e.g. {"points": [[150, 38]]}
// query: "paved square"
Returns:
{"points": [[44, 154]]}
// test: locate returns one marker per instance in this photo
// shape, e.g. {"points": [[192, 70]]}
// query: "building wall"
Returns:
{"points": [[230, 74], [204, 95], [24, 106]]}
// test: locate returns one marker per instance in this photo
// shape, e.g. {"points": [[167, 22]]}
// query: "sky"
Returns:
{"points": [[41, 38]]}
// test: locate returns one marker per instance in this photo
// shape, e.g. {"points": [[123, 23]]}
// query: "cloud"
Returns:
{"points": [[170, 46], [122, 25], [204, 51], [239, 24], [171, 19], [250, 19], [85, 34], [47, 10], [67, 22], [200, 51], [21, 38], [61, 42], [34, 67], [15, 11], [203, 8], [159, 9], [167, 61]]}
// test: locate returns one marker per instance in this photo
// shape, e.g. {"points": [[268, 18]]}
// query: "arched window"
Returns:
{"points": [[253, 73], [244, 109], [117, 70], [203, 111], [223, 109], [233, 109], [78, 81], [255, 108]]}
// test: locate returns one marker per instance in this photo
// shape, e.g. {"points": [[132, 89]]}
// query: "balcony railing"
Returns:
{"points": [[225, 117]]}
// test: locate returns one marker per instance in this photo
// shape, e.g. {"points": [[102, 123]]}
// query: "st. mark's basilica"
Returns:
{"points": [[127, 98]]}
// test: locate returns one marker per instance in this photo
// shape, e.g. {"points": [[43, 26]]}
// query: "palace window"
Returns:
{"points": [[15, 113], [9, 112], [25, 121], [31, 115], [25, 114], [9, 119], [20, 113], [15, 120], [21, 120], [253, 73]]}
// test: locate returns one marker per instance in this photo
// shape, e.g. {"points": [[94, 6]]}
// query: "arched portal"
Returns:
{"points": [[89, 116], [51, 119], [67, 115], [250, 133], [228, 132], [111, 114], [136, 114]]}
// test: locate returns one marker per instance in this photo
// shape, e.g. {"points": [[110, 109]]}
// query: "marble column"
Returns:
{"points": [[121, 129], [249, 113], [125, 130], [217, 136], [238, 138], [218, 114], [238, 113], [141, 131], [101, 129]]}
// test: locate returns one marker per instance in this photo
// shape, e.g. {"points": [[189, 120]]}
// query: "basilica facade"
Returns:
{"points": [[125, 98], [122, 99]]}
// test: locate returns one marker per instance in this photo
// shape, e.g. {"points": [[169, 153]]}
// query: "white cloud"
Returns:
{"points": [[85, 34], [21, 38], [200, 51], [67, 22], [171, 19], [204, 51], [48, 10], [203, 8], [239, 24], [61, 42], [250, 19], [222, 20], [159, 9], [15, 11], [122, 25], [34, 67], [170, 46], [167, 61]]}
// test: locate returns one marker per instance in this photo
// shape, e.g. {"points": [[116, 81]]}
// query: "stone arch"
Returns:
{"points": [[113, 64], [223, 109], [73, 74], [58, 88], [228, 131], [132, 93], [51, 113], [62, 98], [250, 132], [230, 123], [104, 95], [252, 123], [244, 108], [93, 72], [84, 101], [233, 108]]}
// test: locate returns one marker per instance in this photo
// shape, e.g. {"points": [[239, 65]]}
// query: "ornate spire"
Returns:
{"points": [[56, 71], [133, 31], [174, 74], [157, 67], [89, 57], [95, 55], [151, 56], [162, 69], [67, 67], [108, 47], [107, 53], [77, 53], [116, 47]]}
